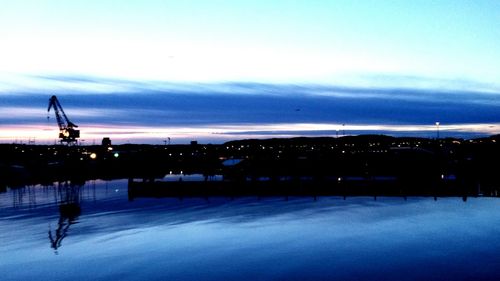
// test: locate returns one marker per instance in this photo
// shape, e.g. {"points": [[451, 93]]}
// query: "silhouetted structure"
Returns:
{"points": [[67, 132], [106, 142], [357, 165]]}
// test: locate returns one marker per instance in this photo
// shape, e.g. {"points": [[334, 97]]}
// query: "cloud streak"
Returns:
{"points": [[218, 110], [220, 133]]}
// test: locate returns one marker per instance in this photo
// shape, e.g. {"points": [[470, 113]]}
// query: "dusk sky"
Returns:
{"points": [[145, 71]]}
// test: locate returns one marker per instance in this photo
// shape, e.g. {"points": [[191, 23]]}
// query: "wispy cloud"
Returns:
{"points": [[360, 83], [211, 109]]}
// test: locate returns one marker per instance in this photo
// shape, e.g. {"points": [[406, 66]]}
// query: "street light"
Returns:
{"points": [[437, 130]]}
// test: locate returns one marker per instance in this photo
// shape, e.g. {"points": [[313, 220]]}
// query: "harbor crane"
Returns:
{"points": [[67, 132]]}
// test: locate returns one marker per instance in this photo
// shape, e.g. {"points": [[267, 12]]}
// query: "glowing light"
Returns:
{"points": [[93, 155], [116, 155]]}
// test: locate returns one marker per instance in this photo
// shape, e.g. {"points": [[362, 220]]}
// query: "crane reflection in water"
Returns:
{"points": [[68, 195]]}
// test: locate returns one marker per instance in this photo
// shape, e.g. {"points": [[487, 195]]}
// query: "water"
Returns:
{"points": [[98, 234]]}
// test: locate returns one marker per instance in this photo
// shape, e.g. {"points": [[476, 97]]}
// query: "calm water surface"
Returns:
{"points": [[95, 232]]}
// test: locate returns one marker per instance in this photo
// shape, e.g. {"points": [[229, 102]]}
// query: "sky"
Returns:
{"points": [[145, 71]]}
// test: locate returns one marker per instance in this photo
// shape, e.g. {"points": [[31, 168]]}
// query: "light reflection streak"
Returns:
{"points": [[126, 133]]}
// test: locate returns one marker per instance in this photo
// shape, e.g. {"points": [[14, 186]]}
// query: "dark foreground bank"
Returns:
{"points": [[354, 165]]}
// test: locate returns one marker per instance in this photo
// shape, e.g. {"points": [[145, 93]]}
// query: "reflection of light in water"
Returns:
{"points": [[191, 177], [353, 239]]}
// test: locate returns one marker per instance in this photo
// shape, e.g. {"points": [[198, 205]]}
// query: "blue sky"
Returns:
{"points": [[192, 68]]}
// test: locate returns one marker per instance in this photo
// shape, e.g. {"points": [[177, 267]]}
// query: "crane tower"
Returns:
{"points": [[67, 132]]}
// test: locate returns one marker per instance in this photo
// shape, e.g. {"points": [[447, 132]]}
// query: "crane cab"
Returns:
{"points": [[69, 135]]}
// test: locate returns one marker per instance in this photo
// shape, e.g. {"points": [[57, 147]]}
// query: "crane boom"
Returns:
{"points": [[67, 132]]}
